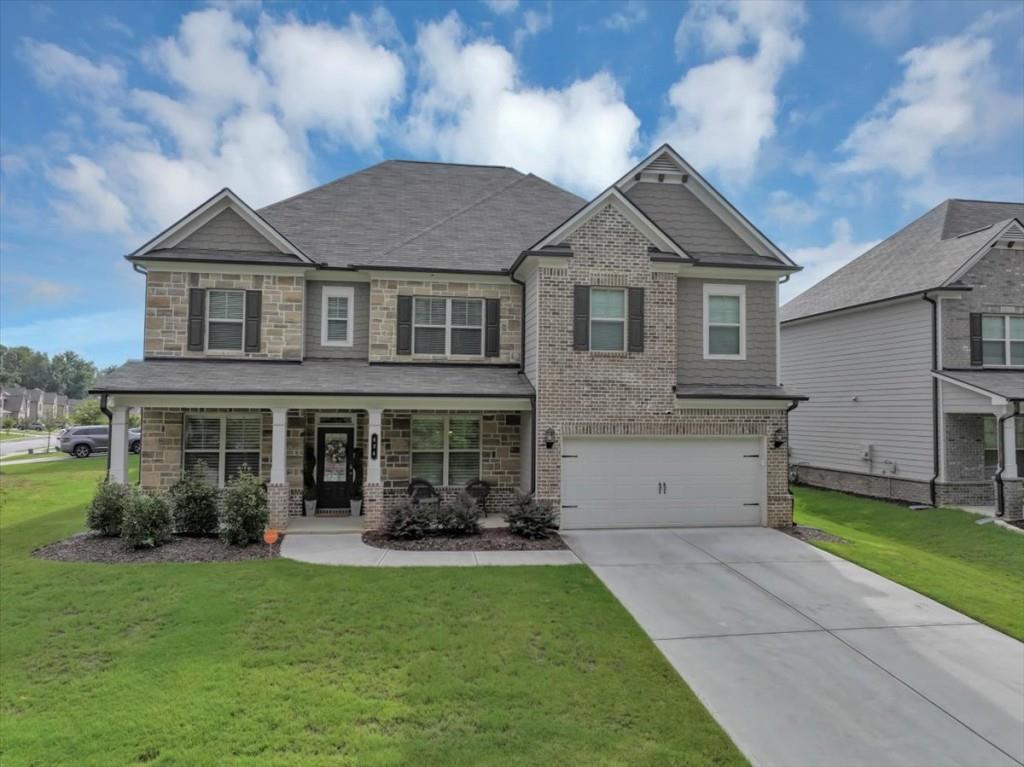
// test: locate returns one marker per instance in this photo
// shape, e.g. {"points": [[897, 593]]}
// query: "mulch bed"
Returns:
{"points": [[814, 534], [489, 539], [1015, 522], [87, 547]]}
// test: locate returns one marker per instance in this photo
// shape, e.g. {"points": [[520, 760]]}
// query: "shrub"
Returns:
{"points": [[460, 517], [410, 521], [245, 510], [107, 508], [147, 521], [531, 519], [194, 505]]}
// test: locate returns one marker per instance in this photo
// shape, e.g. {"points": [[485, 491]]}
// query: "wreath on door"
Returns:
{"points": [[335, 450]]}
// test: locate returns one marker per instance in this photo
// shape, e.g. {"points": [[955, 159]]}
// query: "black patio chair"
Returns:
{"points": [[481, 490], [421, 491]]}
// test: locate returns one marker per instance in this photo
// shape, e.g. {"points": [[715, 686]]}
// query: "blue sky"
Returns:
{"points": [[829, 124]]}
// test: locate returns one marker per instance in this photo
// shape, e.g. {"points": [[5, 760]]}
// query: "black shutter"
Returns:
{"points": [[405, 324], [196, 318], [636, 319], [492, 336], [581, 318], [253, 319], [977, 355]]}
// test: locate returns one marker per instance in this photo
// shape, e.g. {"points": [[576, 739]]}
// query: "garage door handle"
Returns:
{"points": [[564, 455], [564, 506], [753, 455], [752, 504]]}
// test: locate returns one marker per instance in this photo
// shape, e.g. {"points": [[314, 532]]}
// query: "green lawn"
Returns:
{"points": [[13, 434], [281, 663], [943, 553]]}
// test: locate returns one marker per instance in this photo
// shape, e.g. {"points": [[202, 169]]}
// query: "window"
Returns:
{"points": [[725, 335], [446, 450], [336, 315], [446, 326], [225, 317], [216, 447], [1002, 339], [607, 319], [991, 442]]}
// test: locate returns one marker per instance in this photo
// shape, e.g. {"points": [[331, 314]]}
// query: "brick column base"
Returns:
{"points": [[1013, 498], [780, 510], [278, 502], [373, 506]]}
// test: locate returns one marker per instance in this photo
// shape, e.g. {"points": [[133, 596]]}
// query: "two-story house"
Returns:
{"points": [[913, 356], [617, 357]]}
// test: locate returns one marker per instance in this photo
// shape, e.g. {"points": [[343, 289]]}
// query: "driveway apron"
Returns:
{"points": [[808, 660]]}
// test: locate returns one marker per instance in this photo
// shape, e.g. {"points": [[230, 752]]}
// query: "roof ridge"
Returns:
{"points": [[456, 164], [986, 202], [450, 216], [324, 185]]}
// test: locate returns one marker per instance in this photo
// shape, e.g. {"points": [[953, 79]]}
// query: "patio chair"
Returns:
{"points": [[421, 491], [480, 490]]}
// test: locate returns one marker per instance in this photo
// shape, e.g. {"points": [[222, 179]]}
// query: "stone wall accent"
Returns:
{"points": [[166, 330], [278, 502], [626, 393], [384, 316], [373, 506], [965, 448], [905, 490], [981, 493], [160, 464], [1013, 499]]}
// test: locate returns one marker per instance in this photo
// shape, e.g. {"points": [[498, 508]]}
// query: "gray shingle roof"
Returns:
{"points": [[1005, 383], [921, 256], [423, 215], [325, 377]]}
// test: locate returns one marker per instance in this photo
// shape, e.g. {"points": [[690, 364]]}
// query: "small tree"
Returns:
{"points": [[88, 413], [245, 510], [51, 423]]}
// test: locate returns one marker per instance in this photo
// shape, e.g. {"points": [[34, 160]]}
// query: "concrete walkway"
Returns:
{"points": [[808, 660], [349, 549]]}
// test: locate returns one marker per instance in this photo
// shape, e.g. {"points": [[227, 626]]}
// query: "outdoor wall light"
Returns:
{"points": [[778, 438], [549, 438]]}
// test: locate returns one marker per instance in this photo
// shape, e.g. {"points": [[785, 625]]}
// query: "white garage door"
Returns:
{"points": [[694, 482]]}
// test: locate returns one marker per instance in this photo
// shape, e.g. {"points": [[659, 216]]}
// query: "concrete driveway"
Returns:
{"points": [[808, 660]]}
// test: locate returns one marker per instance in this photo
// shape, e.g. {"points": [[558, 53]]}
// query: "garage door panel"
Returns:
{"points": [[661, 482]]}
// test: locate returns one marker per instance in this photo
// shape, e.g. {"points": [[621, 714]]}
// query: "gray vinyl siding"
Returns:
{"points": [[957, 399], [226, 231], [360, 348], [759, 366], [881, 356], [532, 351]]}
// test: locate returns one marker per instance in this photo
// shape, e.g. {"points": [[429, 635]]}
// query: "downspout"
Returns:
{"points": [[935, 399], [110, 428], [1000, 492], [522, 371]]}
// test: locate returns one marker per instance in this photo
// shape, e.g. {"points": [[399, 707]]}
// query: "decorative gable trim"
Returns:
{"points": [[213, 207], [657, 167], [1007, 234]]}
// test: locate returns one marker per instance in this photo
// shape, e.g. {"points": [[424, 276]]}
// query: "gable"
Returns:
{"points": [[227, 231]]}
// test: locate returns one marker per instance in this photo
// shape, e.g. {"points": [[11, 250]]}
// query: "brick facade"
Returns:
{"points": [[626, 393], [384, 317], [166, 330]]}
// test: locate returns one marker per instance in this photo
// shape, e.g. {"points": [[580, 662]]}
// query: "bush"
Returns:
{"points": [[245, 510], [147, 521], [460, 517], [194, 506], [106, 511], [530, 519], [410, 521]]}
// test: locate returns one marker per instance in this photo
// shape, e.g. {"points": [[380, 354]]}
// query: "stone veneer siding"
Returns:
{"points": [[166, 330], [384, 317], [626, 394], [965, 448]]}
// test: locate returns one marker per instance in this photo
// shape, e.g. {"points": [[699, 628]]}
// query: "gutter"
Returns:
{"points": [[936, 469], [815, 315], [1000, 492], [522, 372], [110, 428]]}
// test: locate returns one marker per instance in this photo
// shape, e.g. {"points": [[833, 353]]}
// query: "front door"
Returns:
{"points": [[334, 466]]}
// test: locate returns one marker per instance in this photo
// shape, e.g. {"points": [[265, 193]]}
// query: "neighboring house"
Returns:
{"points": [[34, 404], [12, 402], [61, 409], [618, 357], [48, 406], [913, 356]]}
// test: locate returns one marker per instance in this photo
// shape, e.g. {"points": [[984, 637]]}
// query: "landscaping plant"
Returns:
{"points": [[194, 506], [106, 510], [245, 510], [530, 518], [459, 517], [147, 521], [409, 520]]}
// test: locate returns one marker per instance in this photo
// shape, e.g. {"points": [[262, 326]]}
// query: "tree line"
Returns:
{"points": [[65, 373]]}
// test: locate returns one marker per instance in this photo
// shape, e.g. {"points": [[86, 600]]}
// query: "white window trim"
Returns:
{"points": [[337, 291], [241, 346], [448, 325], [1005, 339], [625, 318], [221, 450], [725, 290], [446, 450]]}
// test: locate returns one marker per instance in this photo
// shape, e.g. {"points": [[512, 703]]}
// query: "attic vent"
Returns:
{"points": [[663, 164], [1014, 232]]}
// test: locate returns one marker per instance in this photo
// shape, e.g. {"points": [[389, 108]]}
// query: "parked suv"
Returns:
{"points": [[82, 441], [135, 440]]}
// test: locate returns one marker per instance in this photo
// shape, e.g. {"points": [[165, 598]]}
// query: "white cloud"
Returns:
{"points": [[502, 7], [725, 111], [55, 67], [884, 21], [92, 204], [534, 23], [631, 13], [471, 106], [27, 288], [949, 99], [819, 261], [790, 209]]}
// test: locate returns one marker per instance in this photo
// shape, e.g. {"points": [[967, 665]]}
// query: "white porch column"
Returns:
{"points": [[373, 446], [118, 446], [278, 446], [1010, 468]]}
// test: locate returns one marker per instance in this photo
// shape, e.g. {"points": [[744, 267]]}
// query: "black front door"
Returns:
{"points": [[334, 466]]}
